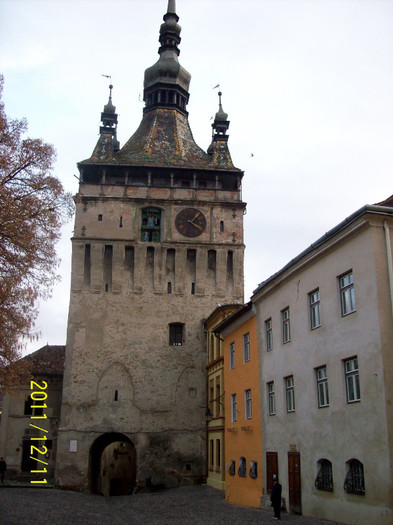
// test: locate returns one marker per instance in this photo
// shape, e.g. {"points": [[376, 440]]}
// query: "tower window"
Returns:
{"points": [[99, 218], [176, 334], [221, 226], [192, 288], [151, 225], [169, 287], [121, 222]]}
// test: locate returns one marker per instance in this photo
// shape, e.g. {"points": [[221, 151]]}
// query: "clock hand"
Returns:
{"points": [[195, 216], [195, 225]]}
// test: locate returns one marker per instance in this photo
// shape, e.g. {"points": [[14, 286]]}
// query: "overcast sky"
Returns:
{"points": [[307, 85]]}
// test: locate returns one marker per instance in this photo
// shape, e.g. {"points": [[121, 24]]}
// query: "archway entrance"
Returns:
{"points": [[112, 465]]}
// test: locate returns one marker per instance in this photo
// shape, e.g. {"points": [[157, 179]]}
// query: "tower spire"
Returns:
{"points": [[107, 143], [218, 148], [167, 82]]}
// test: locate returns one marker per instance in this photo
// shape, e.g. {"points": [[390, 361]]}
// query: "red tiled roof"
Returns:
{"points": [[48, 360]]}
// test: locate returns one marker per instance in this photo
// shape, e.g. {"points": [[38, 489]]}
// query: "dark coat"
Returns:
{"points": [[275, 496], [3, 466]]}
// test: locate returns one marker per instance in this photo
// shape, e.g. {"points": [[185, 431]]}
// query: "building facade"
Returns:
{"points": [[243, 436], [325, 336], [158, 243], [29, 407], [215, 414]]}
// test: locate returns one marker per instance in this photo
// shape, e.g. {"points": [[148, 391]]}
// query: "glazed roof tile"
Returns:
{"points": [[164, 138]]}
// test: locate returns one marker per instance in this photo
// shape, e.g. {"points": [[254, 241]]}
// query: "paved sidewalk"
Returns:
{"points": [[200, 505]]}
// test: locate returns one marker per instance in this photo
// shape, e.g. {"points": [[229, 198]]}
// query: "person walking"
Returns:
{"points": [[3, 468], [275, 498]]}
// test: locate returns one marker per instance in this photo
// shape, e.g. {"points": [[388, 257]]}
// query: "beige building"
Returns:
{"points": [[215, 413], [325, 337], [158, 243], [20, 417]]}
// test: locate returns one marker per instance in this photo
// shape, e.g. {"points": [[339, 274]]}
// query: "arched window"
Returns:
{"points": [[324, 479], [253, 469], [232, 467], [354, 480], [151, 225], [242, 467]]}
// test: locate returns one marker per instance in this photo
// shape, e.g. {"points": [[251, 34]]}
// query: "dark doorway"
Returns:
{"points": [[295, 495], [112, 465], [28, 464], [271, 469]]}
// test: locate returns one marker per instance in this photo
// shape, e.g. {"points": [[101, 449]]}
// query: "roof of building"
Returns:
{"points": [[48, 360], [164, 137], [384, 207], [233, 317]]}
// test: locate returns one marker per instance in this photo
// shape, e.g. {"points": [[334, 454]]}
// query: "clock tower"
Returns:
{"points": [[158, 244]]}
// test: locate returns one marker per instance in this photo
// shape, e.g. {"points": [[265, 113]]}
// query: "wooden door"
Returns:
{"points": [[294, 485], [271, 469]]}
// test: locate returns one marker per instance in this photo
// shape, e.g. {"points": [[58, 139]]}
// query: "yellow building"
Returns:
{"points": [[215, 402], [243, 439]]}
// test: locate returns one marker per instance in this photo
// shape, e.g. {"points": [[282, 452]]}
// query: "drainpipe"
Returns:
{"points": [[390, 264]]}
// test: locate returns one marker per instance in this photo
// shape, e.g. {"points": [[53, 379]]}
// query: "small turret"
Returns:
{"points": [[107, 143], [218, 148]]}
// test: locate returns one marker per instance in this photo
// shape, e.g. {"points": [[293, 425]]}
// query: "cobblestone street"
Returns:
{"points": [[200, 505]]}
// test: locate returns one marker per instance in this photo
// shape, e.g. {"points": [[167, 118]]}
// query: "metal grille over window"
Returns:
{"points": [[324, 479], [176, 334], [253, 469], [242, 467], [354, 480]]}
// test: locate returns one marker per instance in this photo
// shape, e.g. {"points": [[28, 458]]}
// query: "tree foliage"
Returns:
{"points": [[33, 207]]}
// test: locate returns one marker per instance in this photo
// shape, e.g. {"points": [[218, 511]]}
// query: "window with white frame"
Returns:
{"points": [[352, 382], [271, 398], [322, 387], [290, 393], [233, 408], [247, 404], [269, 334], [315, 309], [232, 356], [286, 325], [246, 347], [347, 294]]}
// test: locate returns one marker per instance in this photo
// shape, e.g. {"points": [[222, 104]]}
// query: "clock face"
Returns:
{"points": [[190, 222]]}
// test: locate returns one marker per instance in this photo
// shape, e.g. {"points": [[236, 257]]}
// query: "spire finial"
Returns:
{"points": [[171, 6]]}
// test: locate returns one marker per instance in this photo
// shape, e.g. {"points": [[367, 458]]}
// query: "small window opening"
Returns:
{"points": [[121, 222], [169, 287], [116, 395], [221, 226], [192, 288], [100, 218]]}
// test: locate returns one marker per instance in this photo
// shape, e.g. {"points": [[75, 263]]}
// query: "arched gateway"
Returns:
{"points": [[112, 465]]}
